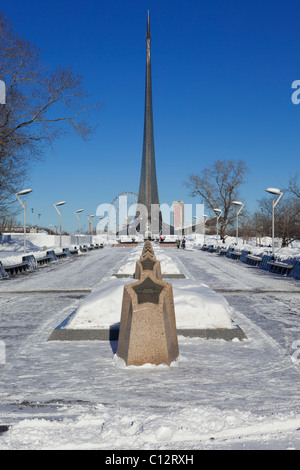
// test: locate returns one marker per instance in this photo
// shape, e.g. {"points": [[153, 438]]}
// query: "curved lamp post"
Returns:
{"points": [[23, 204], [218, 213], [239, 206], [278, 193], [77, 213], [90, 223], [59, 211]]}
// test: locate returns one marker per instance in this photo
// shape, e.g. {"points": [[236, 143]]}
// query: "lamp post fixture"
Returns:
{"points": [[218, 213], [239, 206], [278, 193], [77, 213], [90, 223], [59, 211], [23, 204]]}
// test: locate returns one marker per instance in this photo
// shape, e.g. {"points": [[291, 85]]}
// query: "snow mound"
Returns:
{"points": [[167, 265], [196, 306], [102, 307]]}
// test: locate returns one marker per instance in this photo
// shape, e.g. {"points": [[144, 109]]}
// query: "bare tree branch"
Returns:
{"points": [[41, 106], [218, 185]]}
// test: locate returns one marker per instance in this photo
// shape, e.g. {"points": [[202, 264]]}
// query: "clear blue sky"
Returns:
{"points": [[221, 74]]}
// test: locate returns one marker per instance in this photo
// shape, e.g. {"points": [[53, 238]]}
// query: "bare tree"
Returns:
{"points": [[41, 106], [287, 225], [218, 185], [6, 223], [294, 186]]}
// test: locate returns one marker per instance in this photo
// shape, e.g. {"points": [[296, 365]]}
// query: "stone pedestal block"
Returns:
{"points": [[145, 265], [147, 251], [148, 325]]}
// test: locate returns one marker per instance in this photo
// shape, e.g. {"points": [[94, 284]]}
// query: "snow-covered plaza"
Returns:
{"points": [[239, 394]]}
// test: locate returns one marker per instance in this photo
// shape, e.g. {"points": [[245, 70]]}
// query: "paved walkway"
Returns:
{"points": [[54, 380]]}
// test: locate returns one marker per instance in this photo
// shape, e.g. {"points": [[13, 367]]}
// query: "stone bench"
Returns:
{"points": [[253, 260], [244, 255], [229, 251], [239, 255], [3, 273], [43, 260], [61, 255], [296, 270], [56, 256], [70, 251], [31, 262], [17, 268], [235, 254], [264, 262], [52, 255], [67, 252], [88, 248], [279, 267], [223, 252]]}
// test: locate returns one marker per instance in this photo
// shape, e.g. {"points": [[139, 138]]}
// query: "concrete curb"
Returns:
{"points": [[164, 276], [61, 333]]}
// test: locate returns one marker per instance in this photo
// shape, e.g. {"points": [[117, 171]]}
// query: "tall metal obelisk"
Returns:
{"points": [[148, 191]]}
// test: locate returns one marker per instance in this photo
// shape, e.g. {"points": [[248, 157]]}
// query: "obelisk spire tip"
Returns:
{"points": [[148, 36]]}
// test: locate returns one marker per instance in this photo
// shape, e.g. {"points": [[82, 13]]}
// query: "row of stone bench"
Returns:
{"points": [[30, 262], [86, 248], [267, 262]]}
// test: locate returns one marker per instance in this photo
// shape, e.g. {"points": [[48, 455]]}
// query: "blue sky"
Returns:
{"points": [[221, 73]]}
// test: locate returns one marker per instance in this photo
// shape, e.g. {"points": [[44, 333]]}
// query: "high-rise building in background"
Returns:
{"points": [[178, 215]]}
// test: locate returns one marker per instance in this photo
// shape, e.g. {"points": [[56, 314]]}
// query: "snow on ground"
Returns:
{"points": [[257, 247], [102, 307], [198, 306], [218, 395], [167, 265]]}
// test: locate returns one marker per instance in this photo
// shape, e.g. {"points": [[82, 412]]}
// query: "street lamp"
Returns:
{"points": [[77, 213], [218, 213], [59, 211], [278, 193], [90, 223], [239, 206], [23, 204]]}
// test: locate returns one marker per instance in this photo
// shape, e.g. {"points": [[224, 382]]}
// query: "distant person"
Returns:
{"points": [[178, 244], [183, 243]]}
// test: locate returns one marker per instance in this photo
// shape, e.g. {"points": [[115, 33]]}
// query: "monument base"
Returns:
{"points": [[164, 275], [126, 244], [62, 333]]}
